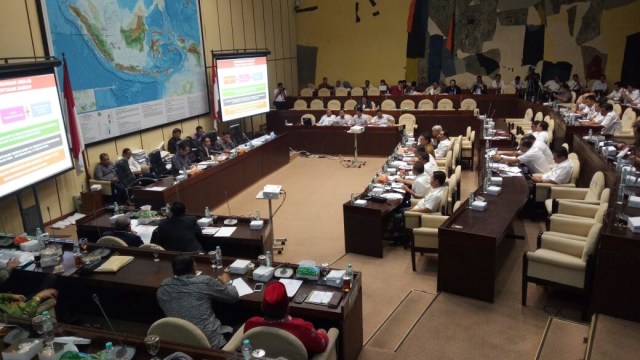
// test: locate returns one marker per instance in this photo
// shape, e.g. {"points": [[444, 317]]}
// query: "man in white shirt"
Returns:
{"points": [[561, 173], [435, 131], [537, 145], [431, 202], [135, 167], [420, 185], [279, 97], [518, 84], [443, 144], [381, 119], [497, 83], [552, 85], [342, 119], [599, 86], [589, 108], [359, 118], [540, 132], [327, 119], [631, 95], [616, 92], [610, 121], [434, 89], [575, 84], [533, 158]]}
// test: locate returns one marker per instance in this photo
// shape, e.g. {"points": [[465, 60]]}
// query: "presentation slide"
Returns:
{"points": [[33, 141], [243, 86]]}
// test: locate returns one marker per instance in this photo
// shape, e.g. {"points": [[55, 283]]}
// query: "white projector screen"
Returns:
{"points": [[33, 140], [243, 87]]}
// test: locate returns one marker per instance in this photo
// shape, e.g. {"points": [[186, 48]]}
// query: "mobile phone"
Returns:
{"points": [[258, 287]]}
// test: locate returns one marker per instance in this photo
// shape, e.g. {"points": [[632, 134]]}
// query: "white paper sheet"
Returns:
{"points": [[157, 188], [225, 231], [320, 297], [145, 232], [242, 287], [291, 285], [210, 230]]}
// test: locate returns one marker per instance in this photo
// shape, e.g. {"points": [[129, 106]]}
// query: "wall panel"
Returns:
{"points": [[277, 29], [237, 28], [249, 24], [268, 27], [224, 19], [258, 16]]}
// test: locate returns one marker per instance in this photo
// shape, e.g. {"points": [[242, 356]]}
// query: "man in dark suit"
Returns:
{"points": [[124, 233], [179, 232], [452, 89]]}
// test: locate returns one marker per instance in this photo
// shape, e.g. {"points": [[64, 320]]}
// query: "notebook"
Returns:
{"points": [[114, 263]]}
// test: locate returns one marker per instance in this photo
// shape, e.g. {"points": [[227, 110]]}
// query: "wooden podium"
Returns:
{"points": [[91, 201]]}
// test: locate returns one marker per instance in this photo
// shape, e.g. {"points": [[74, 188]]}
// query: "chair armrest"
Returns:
{"points": [[578, 227], [412, 219], [568, 193], [564, 245], [414, 202], [330, 353], [432, 220], [546, 190], [236, 341], [106, 186], [577, 209]]}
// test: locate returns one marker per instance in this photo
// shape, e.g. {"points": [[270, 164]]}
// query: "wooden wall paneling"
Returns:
{"points": [[14, 21], [288, 78], [291, 33], [273, 80], [237, 25], [268, 28], [206, 121], [210, 28], [294, 86], [284, 29], [48, 196], [10, 220], [277, 29], [250, 32], [258, 17], [133, 142], [189, 127], [152, 138], [34, 25], [280, 70], [224, 19], [68, 185]]}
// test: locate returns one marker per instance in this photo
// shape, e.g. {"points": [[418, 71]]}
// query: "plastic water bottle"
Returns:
{"points": [[116, 208], [590, 134], [109, 353], [471, 199], [47, 327], [246, 349], [218, 257], [207, 212], [349, 271], [40, 238], [268, 258]]}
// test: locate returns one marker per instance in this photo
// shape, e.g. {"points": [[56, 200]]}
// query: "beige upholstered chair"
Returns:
{"points": [[180, 332], [316, 104], [409, 122], [444, 163], [543, 190], [408, 104], [281, 344], [575, 210], [111, 240], [342, 91], [468, 147], [324, 92], [106, 186], [626, 131], [592, 193], [617, 108], [306, 92], [468, 104], [388, 105], [425, 237], [508, 89], [300, 104], [425, 104], [308, 116], [334, 105], [528, 115], [350, 104], [151, 247], [452, 193], [373, 91], [445, 104], [539, 116], [357, 91]]}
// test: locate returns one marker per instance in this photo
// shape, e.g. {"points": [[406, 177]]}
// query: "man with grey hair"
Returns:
{"points": [[435, 130], [123, 232]]}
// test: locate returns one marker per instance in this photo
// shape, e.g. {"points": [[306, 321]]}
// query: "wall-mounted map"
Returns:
{"points": [[134, 64]]}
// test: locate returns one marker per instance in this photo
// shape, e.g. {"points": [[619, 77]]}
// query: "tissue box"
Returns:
{"points": [[256, 224], [308, 272], [96, 187], [334, 278], [29, 246], [204, 222], [263, 273], [494, 190], [239, 267], [23, 350], [356, 129], [496, 180], [634, 202], [377, 191], [361, 202], [633, 223], [479, 205]]}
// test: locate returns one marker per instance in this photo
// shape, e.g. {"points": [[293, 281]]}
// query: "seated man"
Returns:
{"points": [[105, 170], [435, 131], [610, 120], [190, 297], [497, 82], [561, 173], [359, 118], [443, 144], [18, 305], [342, 119], [275, 306], [206, 150], [532, 158], [630, 95], [226, 143], [540, 132], [616, 93], [327, 119], [181, 161], [564, 95], [381, 119], [588, 109], [434, 89], [172, 144], [419, 185], [538, 145], [134, 166], [479, 87], [431, 202], [199, 133], [599, 87], [552, 85], [123, 232], [365, 104], [575, 84], [178, 232], [452, 89]]}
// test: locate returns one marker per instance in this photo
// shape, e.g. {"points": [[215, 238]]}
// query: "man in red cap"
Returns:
{"points": [[275, 306]]}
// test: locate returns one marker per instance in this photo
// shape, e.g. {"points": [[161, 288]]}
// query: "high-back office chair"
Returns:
{"points": [[408, 104], [316, 104], [425, 104], [151, 247], [543, 191], [357, 91], [334, 105], [306, 92], [342, 91], [626, 131], [468, 146], [575, 210], [157, 167], [350, 104], [409, 122], [468, 104], [112, 241], [299, 104], [445, 104], [324, 92], [308, 116], [373, 91], [425, 238], [180, 332], [127, 179], [592, 194], [508, 89], [388, 105]]}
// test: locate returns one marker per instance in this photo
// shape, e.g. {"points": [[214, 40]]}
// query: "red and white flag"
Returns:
{"points": [[75, 135], [216, 96]]}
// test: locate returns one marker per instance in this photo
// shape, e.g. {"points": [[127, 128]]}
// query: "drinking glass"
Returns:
{"points": [[36, 322], [152, 342], [155, 254], [212, 256], [83, 242]]}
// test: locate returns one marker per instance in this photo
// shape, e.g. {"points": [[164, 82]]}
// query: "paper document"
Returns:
{"points": [[210, 230], [144, 231], [335, 274], [291, 285], [320, 297], [242, 287], [225, 231], [157, 188]]}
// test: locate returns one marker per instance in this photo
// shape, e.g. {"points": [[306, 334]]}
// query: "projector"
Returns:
{"points": [[356, 129], [271, 191]]}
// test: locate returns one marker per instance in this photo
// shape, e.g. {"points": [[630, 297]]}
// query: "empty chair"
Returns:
{"points": [[151, 247], [468, 147], [408, 104], [508, 89], [316, 104], [308, 116], [445, 104], [157, 167], [626, 131], [342, 91], [388, 105], [350, 104], [324, 92], [306, 92], [468, 104], [111, 240], [425, 104], [592, 193], [334, 105], [180, 332], [357, 91], [575, 210], [300, 104], [409, 122], [373, 91], [425, 238]]}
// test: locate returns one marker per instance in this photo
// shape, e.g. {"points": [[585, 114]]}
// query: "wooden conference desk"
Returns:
{"points": [[208, 188], [244, 242], [130, 294]]}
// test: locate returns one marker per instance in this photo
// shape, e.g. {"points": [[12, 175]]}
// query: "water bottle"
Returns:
{"points": [[347, 278], [590, 134], [116, 208], [268, 258], [47, 327], [218, 257], [349, 271], [40, 238], [246, 349], [109, 353], [207, 212], [471, 199], [257, 215]]}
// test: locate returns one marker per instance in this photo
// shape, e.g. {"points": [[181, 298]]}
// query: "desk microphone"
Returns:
{"points": [[230, 221], [122, 351], [247, 140]]}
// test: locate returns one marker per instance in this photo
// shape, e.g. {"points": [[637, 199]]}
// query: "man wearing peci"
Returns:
{"points": [[179, 232]]}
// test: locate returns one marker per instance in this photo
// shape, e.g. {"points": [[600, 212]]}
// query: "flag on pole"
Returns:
{"points": [[75, 135], [214, 102], [450, 44]]}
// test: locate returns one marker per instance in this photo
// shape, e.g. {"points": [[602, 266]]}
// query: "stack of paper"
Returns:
{"points": [[210, 230], [320, 297], [292, 286], [225, 231]]}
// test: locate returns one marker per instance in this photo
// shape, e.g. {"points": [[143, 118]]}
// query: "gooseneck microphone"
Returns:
{"points": [[122, 351]]}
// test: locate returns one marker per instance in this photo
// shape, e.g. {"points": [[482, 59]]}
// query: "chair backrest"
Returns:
{"points": [[324, 92], [508, 89], [604, 196], [373, 91], [432, 221], [156, 164], [357, 91], [342, 91], [445, 104], [443, 200], [179, 331], [276, 342], [308, 116], [575, 171], [316, 104], [407, 104], [409, 122], [592, 240], [458, 172], [425, 104], [300, 104], [628, 119], [468, 132], [566, 146], [151, 247], [539, 116], [334, 104], [468, 104], [124, 174], [307, 92], [456, 206], [617, 108], [528, 114], [595, 187], [111, 240], [350, 104], [388, 105]]}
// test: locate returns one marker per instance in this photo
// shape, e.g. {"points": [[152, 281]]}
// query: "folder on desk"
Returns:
{"points": [[114, 263]]}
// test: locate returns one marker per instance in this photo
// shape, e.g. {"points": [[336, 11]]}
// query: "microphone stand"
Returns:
{"points": [[121, 351]]}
